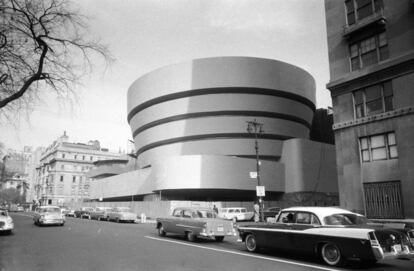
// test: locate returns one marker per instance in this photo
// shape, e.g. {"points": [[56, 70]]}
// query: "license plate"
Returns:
{"points": [[397, 248], [220, 229]]}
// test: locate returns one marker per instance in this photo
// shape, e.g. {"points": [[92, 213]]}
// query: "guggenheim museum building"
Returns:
{"points": [[189, 123]]}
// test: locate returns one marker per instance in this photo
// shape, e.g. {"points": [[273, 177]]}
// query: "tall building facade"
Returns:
{"points": [[61, 174], [190, 121], [371, 55], [15, 171]]}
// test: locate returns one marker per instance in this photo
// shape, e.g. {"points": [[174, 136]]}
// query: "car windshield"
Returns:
{"points": [[345, 219], [204, 214], [49, 210]]}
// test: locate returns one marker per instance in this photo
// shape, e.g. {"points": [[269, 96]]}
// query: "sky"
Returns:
{"points": [[144, 35]]}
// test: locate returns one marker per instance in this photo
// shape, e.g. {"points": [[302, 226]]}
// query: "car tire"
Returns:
{"points": [[219, 238], [191, 237], [251, 243], [62, 224], [161, 231], [331, 254]]}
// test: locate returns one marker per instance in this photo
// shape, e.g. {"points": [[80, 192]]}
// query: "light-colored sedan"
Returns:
{"points": [[122, 214], [193, 222], [235, 214], [100, 213], [48, 215], [6, 222]]}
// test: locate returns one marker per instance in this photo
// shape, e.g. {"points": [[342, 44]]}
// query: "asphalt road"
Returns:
{"points": [[98, 245]]}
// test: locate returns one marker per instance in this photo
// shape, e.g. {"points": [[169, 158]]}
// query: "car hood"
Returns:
{"points": [[4, 218]]}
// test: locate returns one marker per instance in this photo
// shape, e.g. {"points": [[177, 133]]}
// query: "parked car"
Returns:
{"points": [[100, 213], [235, 214], [80, 213], [194, 222], [6, 222], [271, 213], [48, 215], [121, 214], [70, 212], [86, 213], [333, 234]]}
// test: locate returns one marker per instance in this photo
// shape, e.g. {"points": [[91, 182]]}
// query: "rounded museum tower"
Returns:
{"points": [[201, 107]]}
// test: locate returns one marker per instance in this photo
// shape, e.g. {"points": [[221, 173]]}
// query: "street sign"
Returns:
{"points": [[260, 191], [253, 174]]}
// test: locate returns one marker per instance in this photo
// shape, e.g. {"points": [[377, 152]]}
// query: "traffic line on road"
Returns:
{"points": [[244, 254]]}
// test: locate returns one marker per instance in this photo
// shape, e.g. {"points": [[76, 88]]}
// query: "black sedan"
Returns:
{"points": [[334, 234]]}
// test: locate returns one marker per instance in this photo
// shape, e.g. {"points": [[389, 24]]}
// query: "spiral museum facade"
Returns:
{"points": [[189, 125]]}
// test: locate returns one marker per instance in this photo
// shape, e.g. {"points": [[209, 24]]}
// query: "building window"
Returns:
{"points": [[62, 167], [378, 147], [63, 155], [61, 178], [357, 10], [368, 51], [75, 156], [373, 100], [83, 157], [74, 179], [91, 158]]}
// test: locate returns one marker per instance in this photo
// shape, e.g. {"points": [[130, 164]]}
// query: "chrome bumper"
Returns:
{"points": [[405, 253]]}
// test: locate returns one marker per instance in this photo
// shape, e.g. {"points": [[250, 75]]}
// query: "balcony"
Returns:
{"points": [[377, 19]]}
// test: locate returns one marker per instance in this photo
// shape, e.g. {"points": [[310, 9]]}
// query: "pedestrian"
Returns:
{"points": [[256, 208], [215, 209]]}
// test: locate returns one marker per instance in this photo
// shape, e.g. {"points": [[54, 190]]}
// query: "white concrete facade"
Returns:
{"points": [[189, 124]]}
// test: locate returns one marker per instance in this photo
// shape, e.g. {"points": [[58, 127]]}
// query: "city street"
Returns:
{"points": [[97, 245]]}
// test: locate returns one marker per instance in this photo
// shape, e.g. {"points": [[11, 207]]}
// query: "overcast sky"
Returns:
{"points": [[147, 34]]}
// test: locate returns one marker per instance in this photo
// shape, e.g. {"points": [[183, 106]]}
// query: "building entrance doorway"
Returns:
{"points": [[383, 200]]}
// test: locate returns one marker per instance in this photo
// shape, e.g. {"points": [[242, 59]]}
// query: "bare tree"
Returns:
{"points": [[44, 45]]}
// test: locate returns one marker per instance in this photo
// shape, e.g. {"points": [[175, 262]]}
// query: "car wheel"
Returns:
{"points": [[219, 238], [161, 231], [62, 224], [191, 237], [331, 254], [251, 244]]}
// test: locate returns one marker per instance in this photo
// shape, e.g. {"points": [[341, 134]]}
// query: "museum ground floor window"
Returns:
{"points": [[383, 200]]}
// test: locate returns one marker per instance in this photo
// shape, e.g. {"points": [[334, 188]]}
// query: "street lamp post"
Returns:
{"points": [[256, 128]]}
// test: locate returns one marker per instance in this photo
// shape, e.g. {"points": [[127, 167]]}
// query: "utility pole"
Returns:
{"points": [[256, 128]]}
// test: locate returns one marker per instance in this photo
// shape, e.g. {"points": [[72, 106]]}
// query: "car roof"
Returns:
{"points": [[48, 206], [194, 208], [319, 211]]}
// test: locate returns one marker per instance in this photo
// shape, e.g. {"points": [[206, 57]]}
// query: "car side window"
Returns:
{"points": [[231, 211], [237, 211], [286, 217], [187, 214], [177, 213], [303, 218], [315, 220]]}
